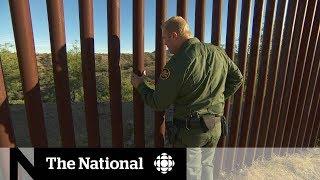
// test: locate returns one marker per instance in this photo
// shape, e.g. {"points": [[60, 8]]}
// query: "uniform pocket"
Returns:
{"points": [[214, 135]]}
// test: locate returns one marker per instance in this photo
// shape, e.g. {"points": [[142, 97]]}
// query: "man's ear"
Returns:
{"points": [[175, 35]]}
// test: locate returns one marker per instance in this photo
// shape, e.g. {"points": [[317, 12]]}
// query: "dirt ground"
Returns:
{"points": [[21, 129], [20, 125]]}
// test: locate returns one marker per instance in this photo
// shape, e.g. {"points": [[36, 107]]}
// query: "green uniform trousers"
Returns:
{"points": [[201, 148]]}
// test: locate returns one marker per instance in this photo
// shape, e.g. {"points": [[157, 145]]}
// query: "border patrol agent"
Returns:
{"points": [[196, 81]]}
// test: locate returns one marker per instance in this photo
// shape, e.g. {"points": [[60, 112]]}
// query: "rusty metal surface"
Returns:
{"points": [[200, 19], [317, 134], [160, 58], [316, 126], [60, 71], [182, 8], [260, 131], [272, 75], [22, 28], [138, 68], [242, 64], [234, 125], [299, 85], [310, 112], [7, 137], [215, 39], [88, 71], [283, 112], [113, 8], [242, 60], [313, 115], [252, 72], [313, 78], [231, 28], [282, 71], [288, 100], [216, 22]]}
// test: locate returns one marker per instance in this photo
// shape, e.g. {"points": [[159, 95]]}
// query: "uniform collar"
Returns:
{"points": [[188, 43]]}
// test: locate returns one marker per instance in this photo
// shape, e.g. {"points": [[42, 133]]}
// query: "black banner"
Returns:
{"points": [[99, 163]]}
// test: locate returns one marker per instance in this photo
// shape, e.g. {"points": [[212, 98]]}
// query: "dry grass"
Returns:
{"points": [[305, 165]]}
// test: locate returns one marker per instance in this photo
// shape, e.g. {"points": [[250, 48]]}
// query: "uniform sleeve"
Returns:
{"points": [[166, 90], [234, 78]]}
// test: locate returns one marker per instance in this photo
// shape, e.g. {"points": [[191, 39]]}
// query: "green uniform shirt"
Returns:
{"points": [[199, 78]]}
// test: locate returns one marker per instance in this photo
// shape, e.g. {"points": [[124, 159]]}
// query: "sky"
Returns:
{"points": [[71, 14]]}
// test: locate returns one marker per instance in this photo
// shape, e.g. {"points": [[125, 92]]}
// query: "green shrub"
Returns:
{"points": [[11, 71]]}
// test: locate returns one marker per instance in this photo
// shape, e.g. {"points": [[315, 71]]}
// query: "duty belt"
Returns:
{"points": [[195, 121]]}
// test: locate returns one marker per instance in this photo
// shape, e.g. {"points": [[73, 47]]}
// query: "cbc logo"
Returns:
{"points": [[164, 163]]}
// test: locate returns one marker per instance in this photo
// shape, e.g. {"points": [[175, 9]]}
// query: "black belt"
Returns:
{"points": [[194, 122]]}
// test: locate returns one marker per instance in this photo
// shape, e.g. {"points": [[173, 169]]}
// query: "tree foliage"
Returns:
{"points": [[10, 66]]}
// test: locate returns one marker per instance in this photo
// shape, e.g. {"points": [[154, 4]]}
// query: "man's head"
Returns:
{"points": [[175, 31]]}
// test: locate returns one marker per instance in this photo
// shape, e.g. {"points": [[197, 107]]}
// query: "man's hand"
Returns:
{"points": [[137, 80]]}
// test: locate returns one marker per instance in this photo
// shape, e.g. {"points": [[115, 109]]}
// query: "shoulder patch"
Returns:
{"points": [[165, 74]]}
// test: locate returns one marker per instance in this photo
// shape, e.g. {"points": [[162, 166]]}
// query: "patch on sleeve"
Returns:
{"points": [[165, 74]]}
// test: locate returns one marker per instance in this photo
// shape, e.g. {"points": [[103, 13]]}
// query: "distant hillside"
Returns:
{"points": [[13, 81]]}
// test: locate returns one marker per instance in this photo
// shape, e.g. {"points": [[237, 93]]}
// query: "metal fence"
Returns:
{"points": [[277, 107]]}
